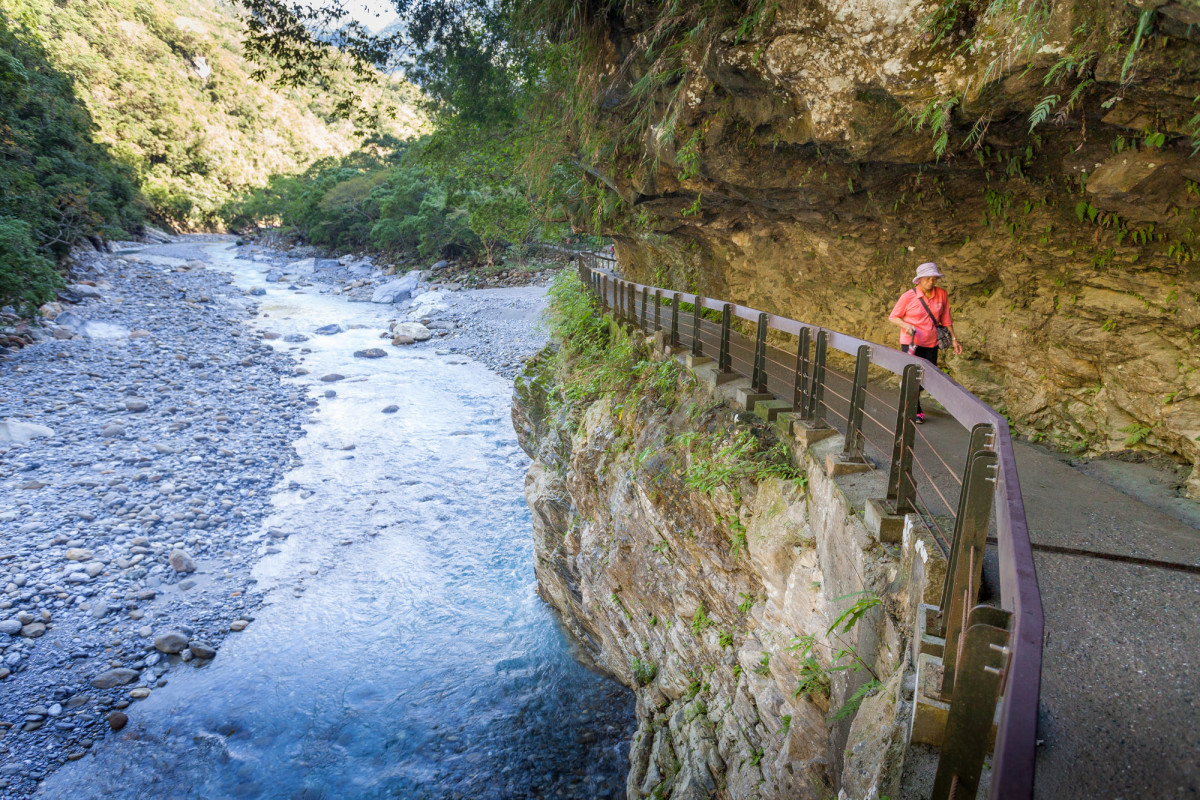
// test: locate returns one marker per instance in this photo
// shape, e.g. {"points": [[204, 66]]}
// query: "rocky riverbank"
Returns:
{"points": [[142, 435]]}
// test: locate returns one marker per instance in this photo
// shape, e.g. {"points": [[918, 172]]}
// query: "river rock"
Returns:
{"points": [[201, 649], [372, 352], [136, 405], [416, 330], [78, 554], [10, 626], [117, 720], [33, 630], [329, 330], [396, 290], [402, 340], [430, 304], [114, 677], [12, 430], [333, 377], [181, 561], [112, 431], [170, 642], [390, 409], [84, 290]]}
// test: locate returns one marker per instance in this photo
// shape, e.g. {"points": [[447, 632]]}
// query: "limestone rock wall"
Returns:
{"points": [[697, 600], [806, 163]]}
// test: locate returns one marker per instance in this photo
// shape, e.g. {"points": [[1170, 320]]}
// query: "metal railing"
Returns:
{"points": [[992, 653]]}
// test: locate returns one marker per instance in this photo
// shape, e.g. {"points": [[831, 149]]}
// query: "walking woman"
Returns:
{"points": [[923, 316]]}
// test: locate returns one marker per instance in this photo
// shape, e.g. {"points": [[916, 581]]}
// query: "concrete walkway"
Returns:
{"points": [[1121, 665]]}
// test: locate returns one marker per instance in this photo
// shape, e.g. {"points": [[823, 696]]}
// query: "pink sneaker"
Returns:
{"points": [[919, 419]]}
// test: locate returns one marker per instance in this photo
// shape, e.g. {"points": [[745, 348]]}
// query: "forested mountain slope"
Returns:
{"points": [[171, 97]]}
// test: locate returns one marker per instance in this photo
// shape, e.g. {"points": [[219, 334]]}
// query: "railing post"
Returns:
{"points": [[985, 656], [758, 377], [799, 381], [658, 309], [604, 292], [967, 555], [902, 491], [725, 362], [645, 299], [816, 392], [853, 450], [697, 345], [982, 437], [675, 320], [585, 275], [631, 301]]}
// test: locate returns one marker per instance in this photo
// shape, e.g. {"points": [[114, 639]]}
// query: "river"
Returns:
{"points": [[403, 650]]}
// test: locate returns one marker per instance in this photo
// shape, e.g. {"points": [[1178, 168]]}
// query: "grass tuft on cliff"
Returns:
{"points": [[597, 357]]}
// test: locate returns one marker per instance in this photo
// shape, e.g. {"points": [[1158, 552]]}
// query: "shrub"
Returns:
{"points": [[27, 279]]}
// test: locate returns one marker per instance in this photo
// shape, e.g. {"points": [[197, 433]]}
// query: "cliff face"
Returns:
{"points": [[805, 161], [699, 567]]}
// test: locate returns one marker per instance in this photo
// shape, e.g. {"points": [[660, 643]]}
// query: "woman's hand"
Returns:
{"points": [[957, 348]]}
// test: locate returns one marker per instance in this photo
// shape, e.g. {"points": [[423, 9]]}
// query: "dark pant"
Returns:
{"points": [[927, 353]]}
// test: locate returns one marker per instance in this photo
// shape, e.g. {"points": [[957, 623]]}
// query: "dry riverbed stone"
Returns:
{"points": [[180, 561], [115, 677]]}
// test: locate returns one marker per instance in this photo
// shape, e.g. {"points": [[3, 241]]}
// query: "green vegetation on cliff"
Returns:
{"points": [[56, 183]]}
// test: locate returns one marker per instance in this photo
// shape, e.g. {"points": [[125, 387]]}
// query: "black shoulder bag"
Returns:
{"points": [[945, 340]]}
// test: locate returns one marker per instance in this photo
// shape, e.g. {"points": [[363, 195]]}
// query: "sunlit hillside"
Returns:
{"points": [[171, 96]]}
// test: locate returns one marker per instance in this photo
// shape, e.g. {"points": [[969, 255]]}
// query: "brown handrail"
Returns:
{"points": [[1016, 737]]}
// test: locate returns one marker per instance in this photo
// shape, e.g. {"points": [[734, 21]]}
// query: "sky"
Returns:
{"points": [[374, 14]]}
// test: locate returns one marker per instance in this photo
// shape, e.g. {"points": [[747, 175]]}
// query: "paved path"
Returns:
{"points": [[1121, 665]]}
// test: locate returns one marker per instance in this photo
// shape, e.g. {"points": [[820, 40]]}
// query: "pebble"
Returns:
{"points": [[332, 377], [372, 352], [117, 720], [390, 409]]}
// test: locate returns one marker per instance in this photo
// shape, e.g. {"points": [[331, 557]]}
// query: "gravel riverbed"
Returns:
{"points": [[140, 440]]}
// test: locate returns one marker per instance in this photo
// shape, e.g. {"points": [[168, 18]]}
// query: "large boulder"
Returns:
{"points": [[397, 290], [305, 266], [429, 304]]}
